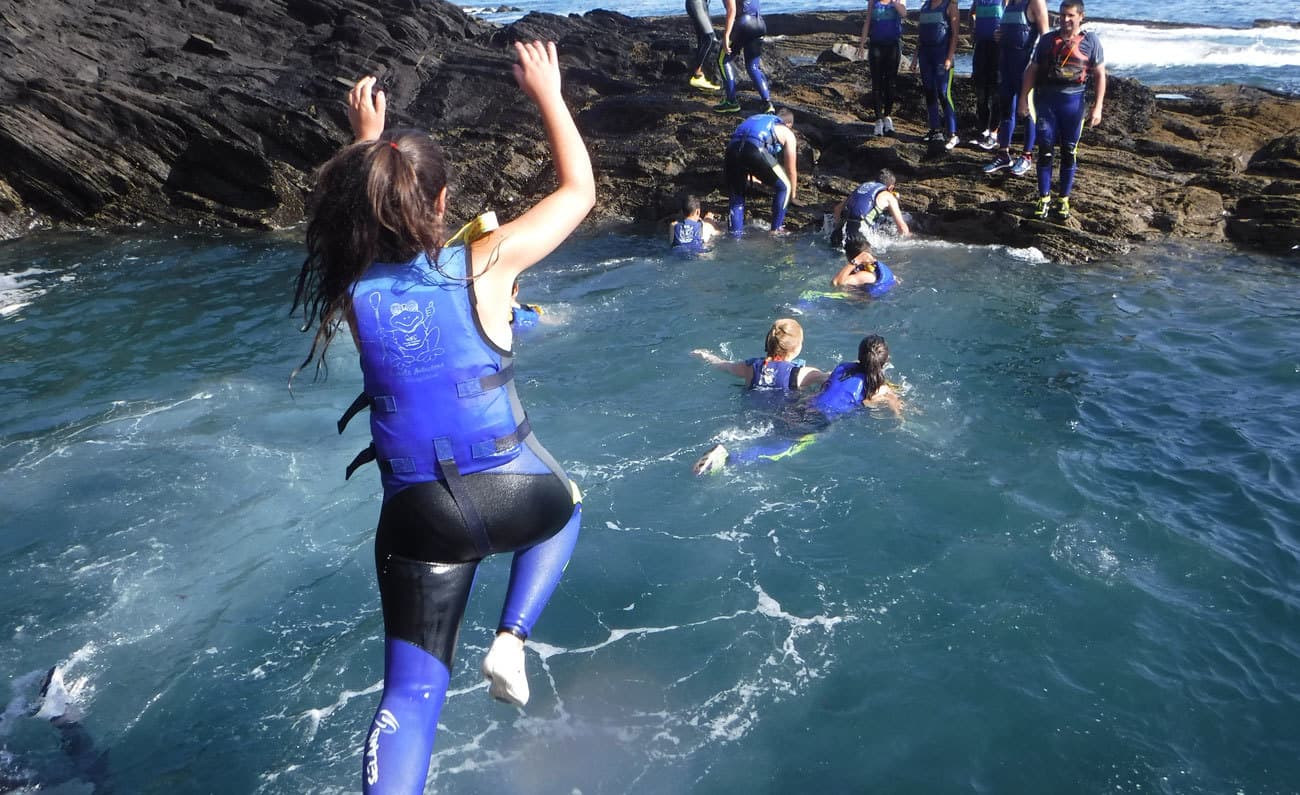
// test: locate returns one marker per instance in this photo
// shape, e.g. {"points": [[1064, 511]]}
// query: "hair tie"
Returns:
{"points": [[394, 145]]}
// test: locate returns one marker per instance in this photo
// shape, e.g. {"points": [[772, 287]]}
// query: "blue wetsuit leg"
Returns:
{"points": [[395, 757], [937, 82], [755, 28], [1069, 120], [534, 574], [1060, 118], [1012, 69], [1045, 111]]}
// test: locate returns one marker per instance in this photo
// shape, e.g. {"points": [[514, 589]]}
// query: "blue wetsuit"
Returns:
{"points": [[883, 54], [984, 60], [688, 236], [1019, 35], [753, 150], [525, 316], [1063, 69], [747, 33], [463, 477], [842, 393], [935, 33], [860, 212]]}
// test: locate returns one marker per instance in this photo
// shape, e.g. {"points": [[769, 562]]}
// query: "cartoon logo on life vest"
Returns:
{"points": [[410, 338]]}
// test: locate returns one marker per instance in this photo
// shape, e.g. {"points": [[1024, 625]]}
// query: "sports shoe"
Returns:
{"points": [[889, 125], [953, 140], [1040, 207], [932, 136], [1000, 162], [988, 141], [712, 461], [880, 127], [503, 668], [1022, 165], [702, 83], [727, 106], [1062, 208]]}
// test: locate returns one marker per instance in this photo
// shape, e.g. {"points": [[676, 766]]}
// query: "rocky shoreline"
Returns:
{"points": [[216, 114]]}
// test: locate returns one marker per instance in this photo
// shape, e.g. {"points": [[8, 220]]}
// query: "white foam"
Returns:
{"points": [[1128, 46]]}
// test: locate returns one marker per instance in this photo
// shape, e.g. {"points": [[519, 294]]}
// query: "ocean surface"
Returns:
{"points": [[1072, 567], [1222, 44]]}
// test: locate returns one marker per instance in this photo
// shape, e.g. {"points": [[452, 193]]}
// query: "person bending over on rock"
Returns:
{"points": [[693, 231], [463, 475], [705, 41], [1023, 21], [849, 386], [936, 28], [883, 28], [1058, 74], [752, 152], [870, 204], [743, 33]]}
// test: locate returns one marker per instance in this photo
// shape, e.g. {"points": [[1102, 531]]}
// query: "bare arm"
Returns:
{"points": [[866, 33], [516, 246], [954, 25], [1038, 13], [366, 109], [811, 377], [730, 5], [848, 278], [1099, 75], [896, 213], [1026, 85], [886, 398], [791, 147], [738, 369]]}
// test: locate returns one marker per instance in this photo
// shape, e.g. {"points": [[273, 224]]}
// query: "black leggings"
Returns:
{"points": [[698, 11], [882, 59], [985, 73]]}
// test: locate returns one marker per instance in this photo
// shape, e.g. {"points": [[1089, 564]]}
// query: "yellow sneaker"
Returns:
{"points": [[702, 83]]}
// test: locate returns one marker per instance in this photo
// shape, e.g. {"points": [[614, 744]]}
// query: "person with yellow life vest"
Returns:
{"points": [[1058, 74]]}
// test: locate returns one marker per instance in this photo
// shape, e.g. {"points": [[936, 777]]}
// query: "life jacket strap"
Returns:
{"points": [[466, 389], [483, 449], [460, 495]]}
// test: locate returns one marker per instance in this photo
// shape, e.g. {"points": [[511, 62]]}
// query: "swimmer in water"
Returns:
{"points": [[781, 369], [693, 231], [863, 271], [522, 315], [849, 386], [463, 474]]}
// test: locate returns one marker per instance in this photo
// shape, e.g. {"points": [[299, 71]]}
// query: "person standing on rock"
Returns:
{"points": [[937, 26], [752, 153], [986, 16], [1058, 74], [1023, 22], [463, 475], [742, 34], [883, 28], [706, 41]]}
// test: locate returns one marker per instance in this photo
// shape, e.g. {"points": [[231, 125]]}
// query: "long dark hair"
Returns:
{"points": [[375, 201], [873, 355]]}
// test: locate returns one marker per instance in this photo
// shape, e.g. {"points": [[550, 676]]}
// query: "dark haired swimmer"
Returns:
{"points": [[694, 230], [863, 271], [463, 475], [849, 386]]}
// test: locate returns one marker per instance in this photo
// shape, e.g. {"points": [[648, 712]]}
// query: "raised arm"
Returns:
{"points": [[738, 369], [516, 246]]}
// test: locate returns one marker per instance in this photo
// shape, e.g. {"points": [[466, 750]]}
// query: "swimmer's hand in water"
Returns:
{"points": [[366, 109], [538, 71]]}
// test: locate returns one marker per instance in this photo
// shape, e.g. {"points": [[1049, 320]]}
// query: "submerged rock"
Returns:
{"points": [[218, 113]]}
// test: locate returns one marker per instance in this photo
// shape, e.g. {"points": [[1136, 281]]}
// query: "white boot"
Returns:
{"points": [[503, 667]]}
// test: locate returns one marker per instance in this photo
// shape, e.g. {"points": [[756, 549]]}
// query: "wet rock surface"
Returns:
{"points": [[216, 114]]}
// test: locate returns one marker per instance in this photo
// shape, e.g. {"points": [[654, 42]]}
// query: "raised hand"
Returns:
{"points": [[366, 109]]}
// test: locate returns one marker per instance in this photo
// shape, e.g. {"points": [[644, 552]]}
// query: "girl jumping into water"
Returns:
{"points": [[462, 472]]}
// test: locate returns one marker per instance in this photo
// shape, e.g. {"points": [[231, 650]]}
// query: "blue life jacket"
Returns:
{"points": [[688, 235], [749, 8], [932, 26], [886, 24], [988, 14], [1017, 33], [775, 374], [525, 315], [760, 130], [884, 282], [861, 204], [441, 396], [842, 392]]}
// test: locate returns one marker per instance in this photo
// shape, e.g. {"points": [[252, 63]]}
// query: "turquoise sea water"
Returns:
{"points": [[1073, 567]]}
